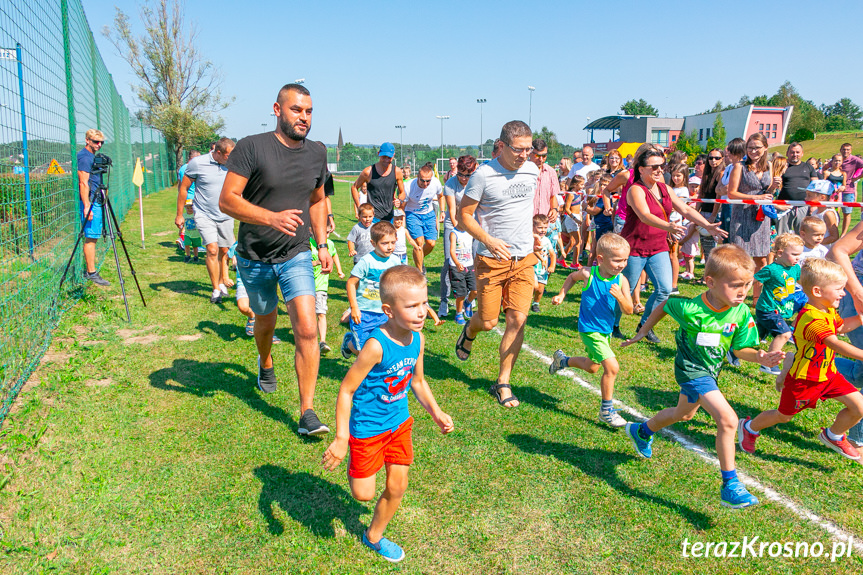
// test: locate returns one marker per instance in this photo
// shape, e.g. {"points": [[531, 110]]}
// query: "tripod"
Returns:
{"points": [[110, 229]]}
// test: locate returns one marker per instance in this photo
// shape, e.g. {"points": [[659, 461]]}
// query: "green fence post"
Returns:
{"points": [[95, 81], [70, 100]]}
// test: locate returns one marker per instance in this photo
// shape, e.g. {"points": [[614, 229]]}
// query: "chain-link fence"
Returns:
{"points": [[54, 86]]}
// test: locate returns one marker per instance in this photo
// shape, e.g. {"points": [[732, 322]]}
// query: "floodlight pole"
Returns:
{"points": [[441, 118], [531, 89], [480, 101], [401, 142]]}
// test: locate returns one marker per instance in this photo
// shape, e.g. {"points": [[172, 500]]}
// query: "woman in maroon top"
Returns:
{"points": [[647, 226]]}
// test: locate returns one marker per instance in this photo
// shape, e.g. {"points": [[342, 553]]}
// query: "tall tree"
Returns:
{"points": [[638, 108], [554, 150], [179, 88], [718, 135], [850, 113], [688, 143]]}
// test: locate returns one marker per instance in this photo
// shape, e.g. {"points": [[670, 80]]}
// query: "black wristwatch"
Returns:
{"points": [[324, 247]]}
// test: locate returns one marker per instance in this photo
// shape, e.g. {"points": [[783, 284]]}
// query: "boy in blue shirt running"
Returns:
{"points": [[604, 287], [372, 415], [363, 288]]}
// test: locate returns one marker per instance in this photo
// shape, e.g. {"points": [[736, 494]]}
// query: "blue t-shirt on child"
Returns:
{"points": [[369, 270], [380, 403]]}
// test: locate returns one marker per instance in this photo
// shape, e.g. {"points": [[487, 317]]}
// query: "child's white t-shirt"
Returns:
{"points": [[401, 242], [682, 193], [819, 251], [463, 248]]}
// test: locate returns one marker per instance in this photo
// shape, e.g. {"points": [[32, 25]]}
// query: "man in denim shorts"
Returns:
{"points": [[275, 187]]}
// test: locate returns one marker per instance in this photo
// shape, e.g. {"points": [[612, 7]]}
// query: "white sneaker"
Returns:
{"points": [[611, 417], [771, 370], [224, 289]]}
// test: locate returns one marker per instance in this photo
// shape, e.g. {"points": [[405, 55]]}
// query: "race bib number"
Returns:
{"points": [[707, 339]]}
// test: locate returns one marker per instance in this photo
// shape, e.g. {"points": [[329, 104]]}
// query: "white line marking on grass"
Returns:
{"points": [[834, 530]]}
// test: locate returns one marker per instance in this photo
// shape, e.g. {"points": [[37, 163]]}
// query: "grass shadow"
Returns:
{"points": [[445, 367], [602, 464], [308, 499], [205, 379], [182, 286], [232, 332], [704, 432]]}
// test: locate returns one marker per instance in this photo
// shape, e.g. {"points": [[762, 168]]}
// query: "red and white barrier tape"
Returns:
{"points": [[815, 204]]}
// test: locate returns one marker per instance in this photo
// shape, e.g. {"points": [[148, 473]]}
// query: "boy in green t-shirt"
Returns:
{"points": [[775, 306], [710, 325], [322, 286]]}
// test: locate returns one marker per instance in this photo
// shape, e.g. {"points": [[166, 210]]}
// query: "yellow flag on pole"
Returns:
{"points": [[138, 174]]}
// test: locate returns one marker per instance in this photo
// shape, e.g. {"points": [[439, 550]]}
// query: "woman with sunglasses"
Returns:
{"points": [[710, 180], [452, 193], [751, 180], [647, 228]]}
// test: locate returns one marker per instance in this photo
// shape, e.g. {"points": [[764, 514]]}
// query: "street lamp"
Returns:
{"points": [[401, 144], [480, 101], [586, 137], [530, 110], [441, 118]]}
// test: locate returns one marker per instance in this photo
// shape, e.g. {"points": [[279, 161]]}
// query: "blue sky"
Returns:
{"points": [[372, 66]]}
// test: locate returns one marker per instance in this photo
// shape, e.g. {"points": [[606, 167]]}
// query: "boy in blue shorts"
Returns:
{"points": [[604, 287], [710, 324], [372, 417], [775, 306], [364, 288]]}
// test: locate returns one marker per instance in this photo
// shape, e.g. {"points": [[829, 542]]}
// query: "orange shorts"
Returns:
{"points": [[798, 394], [504, 282], [369, 455]]}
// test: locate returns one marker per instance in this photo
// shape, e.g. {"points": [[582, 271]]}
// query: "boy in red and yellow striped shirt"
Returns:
{"points": [[812, 375]]}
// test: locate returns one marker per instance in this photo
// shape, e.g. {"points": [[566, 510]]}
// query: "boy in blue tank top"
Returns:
{"points": [[604, 287], [372, 408]]}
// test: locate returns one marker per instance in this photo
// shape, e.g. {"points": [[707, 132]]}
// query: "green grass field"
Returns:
{"points": [[825, 145], [146, 448]]}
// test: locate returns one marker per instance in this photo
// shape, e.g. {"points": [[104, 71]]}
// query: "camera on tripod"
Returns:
{"points": [[101, 166]]}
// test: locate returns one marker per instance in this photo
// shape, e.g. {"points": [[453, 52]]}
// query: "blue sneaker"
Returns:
{"points": [[346, 351], [735, 495], [459, 319], [468, 310], [641, 446], [385, 548], [558, 362]]}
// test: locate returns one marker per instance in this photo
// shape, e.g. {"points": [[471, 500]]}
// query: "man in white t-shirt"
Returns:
{"points": [[497, 210], [585, 166], [420, 219]]}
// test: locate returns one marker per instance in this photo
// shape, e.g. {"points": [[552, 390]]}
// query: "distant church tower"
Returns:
{"points": [[339, 147]]}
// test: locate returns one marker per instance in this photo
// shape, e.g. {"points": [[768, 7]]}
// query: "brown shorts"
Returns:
{"points": [[509, 282]]}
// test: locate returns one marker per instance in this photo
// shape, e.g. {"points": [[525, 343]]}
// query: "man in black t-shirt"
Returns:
{"points": [[275, 187], [794, 182]]}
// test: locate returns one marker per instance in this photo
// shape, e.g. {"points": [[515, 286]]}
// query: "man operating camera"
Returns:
{"points": [[90, 204]]}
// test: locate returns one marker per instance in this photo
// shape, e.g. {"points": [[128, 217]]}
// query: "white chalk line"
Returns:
{"points": [[834, 530]]}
